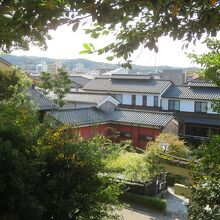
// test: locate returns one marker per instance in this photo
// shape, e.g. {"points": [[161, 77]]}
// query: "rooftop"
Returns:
{"points": [[85, 116], [80, 80], [83, 97], [192, 92], [5, 62], [200, 83], [138, 84], [205, 119], [42, 102]]}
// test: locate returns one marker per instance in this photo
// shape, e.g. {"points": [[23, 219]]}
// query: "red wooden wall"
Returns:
{"points": [[116, 131]]}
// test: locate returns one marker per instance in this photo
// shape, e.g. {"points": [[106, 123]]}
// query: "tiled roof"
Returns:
{"points": [[125, 85], [200, 83], [80, 116], [84, 97], [198, 93], [150, 118], [42, 102], [130, 76], [85, 116], [80, 80], [200, 120], [5, 61]]}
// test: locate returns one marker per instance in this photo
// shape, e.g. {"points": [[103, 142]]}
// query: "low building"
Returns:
{"points": [[4, 64], [118, 124]]}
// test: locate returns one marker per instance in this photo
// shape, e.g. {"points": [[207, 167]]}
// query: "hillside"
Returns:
{"points": [[29, 63]]}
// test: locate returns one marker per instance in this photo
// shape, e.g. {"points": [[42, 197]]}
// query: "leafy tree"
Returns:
{"points": [[46, 82], [175, 147], [73, 184], [19, 130], [129, 165], [206, 188], [13, 81], [61, 86], [210, 61], [134, 23]]}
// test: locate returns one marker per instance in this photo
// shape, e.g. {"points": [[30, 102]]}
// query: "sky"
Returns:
{"points": [[66, 44]]}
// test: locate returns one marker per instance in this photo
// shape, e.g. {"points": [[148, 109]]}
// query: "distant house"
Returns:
{"points": [[4, 64], [176, 75], [78, 81], [133, 91]]}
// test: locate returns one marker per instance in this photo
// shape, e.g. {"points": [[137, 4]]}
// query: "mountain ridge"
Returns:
{"points": [[29, 63]]}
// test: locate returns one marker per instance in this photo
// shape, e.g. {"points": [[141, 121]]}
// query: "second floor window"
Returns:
{"points": [[174, 105], [200, 106], [144, 100], [133, 100], [155, 101]]}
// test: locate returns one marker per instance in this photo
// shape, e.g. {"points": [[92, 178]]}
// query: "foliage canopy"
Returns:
{"points": [[134, 23], [49, 173], [206, 188]]}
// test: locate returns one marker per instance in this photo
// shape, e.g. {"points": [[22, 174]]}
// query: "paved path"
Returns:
{"points": [[176, 210]]}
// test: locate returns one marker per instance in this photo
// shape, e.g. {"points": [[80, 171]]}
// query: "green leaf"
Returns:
{"points": [[110, 58], [86, 46]]}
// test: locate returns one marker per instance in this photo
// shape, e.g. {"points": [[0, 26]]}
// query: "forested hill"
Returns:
{"points": [[30, 62]]}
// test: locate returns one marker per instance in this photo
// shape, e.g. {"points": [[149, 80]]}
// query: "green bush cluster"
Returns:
{"points": [[150, 202]]}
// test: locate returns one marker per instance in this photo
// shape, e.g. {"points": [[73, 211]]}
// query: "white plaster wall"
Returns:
{"points": [[126, 99], [139, 100], [164, 104], [187, 105]]}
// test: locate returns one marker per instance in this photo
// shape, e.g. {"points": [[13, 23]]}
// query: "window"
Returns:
{"points": [[145, 137], [174, 105], [125, 134], [200, 106], [144, 100], [155, 101], [133, 100], [197, 131]]}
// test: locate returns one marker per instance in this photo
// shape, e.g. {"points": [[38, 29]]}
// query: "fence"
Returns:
{"points": [[149, 188]]}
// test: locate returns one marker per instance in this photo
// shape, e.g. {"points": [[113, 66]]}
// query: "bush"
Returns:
{"points": [[151, 202]]}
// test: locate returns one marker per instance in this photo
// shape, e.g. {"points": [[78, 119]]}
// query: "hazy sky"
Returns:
{"points": [[67, 44]]}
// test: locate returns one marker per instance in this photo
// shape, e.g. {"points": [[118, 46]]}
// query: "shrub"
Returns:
{"points": [[151, 202]]}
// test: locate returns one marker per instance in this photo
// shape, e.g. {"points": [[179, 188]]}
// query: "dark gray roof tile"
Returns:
{"points": [[126, 85], [85, 116], [42, 102], [197, 93]]}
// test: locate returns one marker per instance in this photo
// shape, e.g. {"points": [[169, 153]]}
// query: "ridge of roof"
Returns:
{"points": [[144, 111]]}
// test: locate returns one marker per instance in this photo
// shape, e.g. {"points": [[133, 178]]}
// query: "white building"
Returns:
{"points": [[41, 67]]}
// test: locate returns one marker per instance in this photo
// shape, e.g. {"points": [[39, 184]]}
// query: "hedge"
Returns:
{"points": [[150, 202]]}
